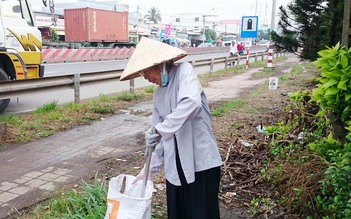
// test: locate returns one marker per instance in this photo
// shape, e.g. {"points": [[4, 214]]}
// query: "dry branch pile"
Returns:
{"points": [[241, 169]]}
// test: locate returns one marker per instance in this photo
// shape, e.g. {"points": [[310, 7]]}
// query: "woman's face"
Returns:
{"points": [[153, 74]]}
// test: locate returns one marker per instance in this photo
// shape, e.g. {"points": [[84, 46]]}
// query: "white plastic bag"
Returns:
{"points": [[128, 205]]}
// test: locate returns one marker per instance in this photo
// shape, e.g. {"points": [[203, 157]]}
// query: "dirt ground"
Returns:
{"points": [[243, 149]]}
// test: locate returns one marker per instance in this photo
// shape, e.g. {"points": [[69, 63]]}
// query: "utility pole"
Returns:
{"points": [[346, 24], [273, 20], [270, 50], [203, 30], [131, 82], [204, 23], [137, 33]]}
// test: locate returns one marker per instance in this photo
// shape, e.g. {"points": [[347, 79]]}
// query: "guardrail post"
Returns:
{"points": [[131, 86], [270, 57], [256, 57], [238, 60], [226, 63], [247, 59], [262, 56], [212, 64], [193, 63], [76, 84]]}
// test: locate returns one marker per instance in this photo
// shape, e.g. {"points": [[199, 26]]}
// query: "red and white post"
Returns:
{"points": [[247, 57], [270, 57]]}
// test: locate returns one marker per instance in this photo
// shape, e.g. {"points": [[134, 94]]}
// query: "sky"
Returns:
{"points": [[224, 9], [219, 9]]}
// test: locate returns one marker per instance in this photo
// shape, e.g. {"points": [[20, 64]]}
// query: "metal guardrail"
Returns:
{"points": [[10, 89]]}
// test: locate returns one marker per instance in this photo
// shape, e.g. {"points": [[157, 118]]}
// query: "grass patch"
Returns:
{"points": [[125, 96], [227, 106], [11, 120], [258, 64], [150, 89], [51, 117], [88, 203], [205, 78], [266, 72], [49, 107], [296, 70]]}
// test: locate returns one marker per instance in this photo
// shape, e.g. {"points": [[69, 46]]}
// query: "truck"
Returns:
{"points": [[97, 28], [20, 44], [227, 40]]}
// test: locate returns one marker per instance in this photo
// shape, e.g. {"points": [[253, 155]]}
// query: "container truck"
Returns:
{"points": [[96, 27], [20, 44]]}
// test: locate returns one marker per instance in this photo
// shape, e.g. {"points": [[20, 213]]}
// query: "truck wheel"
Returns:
{"points": [[3, 102]]}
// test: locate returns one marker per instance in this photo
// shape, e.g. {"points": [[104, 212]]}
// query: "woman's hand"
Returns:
{"points": [[152, 138]]}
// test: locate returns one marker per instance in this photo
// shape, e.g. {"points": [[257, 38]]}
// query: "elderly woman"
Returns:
{"points": [[180, 131]]}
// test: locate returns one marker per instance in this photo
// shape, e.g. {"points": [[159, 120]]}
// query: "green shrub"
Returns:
{"points": [[335, 200], [333, 94]]}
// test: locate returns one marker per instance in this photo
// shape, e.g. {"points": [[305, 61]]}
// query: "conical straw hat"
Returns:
{"points": [[149, 53]]}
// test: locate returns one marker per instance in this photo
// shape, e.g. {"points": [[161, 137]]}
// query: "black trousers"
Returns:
{"points": [[197, 200]]}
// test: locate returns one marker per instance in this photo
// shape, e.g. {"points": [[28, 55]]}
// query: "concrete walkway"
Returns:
{"points": [[30, 172]]}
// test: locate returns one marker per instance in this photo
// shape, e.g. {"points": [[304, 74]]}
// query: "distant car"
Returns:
{"points": [[264, 43], [206, 45]]}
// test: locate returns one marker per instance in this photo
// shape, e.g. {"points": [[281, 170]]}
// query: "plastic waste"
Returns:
{"points": [[261, 129]]}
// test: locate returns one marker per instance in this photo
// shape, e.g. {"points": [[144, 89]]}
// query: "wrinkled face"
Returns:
{"points": [[153, 74]]}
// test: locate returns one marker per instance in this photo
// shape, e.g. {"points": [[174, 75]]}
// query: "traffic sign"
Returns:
{"points": [[249, 26]]}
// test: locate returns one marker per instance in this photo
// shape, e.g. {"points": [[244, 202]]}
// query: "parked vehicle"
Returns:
{"points": [[96, 27], [206, 45], [21, 44]]}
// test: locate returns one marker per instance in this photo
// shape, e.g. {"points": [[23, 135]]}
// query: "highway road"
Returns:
{"points": [[26, 103], [87, 67]]}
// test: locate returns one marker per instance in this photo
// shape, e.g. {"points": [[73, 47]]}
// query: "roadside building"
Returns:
{"points": [[226, 27]]}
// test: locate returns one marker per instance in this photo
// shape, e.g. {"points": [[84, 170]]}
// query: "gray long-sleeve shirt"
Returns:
{"points": [[181, 110]]}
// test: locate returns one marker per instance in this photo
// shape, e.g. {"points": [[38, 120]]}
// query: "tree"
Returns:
{"points": [[210, 34], [54, 35], [153, 15], [309, 24], [335, 17], [263, 34]]}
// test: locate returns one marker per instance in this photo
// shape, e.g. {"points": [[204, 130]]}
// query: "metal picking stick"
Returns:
{"points": [[147, 167]]}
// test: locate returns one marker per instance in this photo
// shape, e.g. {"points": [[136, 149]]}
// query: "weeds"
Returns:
{"points": [[129, 96], [150, 89], [266, 72], [49, 107], [261, 206], [52, 117], [89, 202], [227, 106]]}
